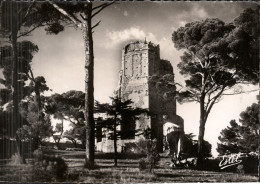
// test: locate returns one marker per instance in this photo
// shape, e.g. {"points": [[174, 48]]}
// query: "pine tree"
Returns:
{"points": [[243, 136], [119, 113], [217, 57]]}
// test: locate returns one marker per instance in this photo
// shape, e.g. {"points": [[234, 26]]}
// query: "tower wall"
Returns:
{"points": [[140, 63], [134, 82]]}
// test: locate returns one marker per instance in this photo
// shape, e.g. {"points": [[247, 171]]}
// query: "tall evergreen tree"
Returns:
{"points": [[80, 15], [216, 58], [38, 126], [120, 113], [16, 22], [243, 136]]}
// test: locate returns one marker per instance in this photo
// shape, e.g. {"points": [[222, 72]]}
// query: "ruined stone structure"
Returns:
{"points": [[140, 75]]}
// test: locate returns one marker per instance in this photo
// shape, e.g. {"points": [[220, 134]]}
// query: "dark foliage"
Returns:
{"points": [[25, 51], [217, 56], [49, 168], [69, 106], [119, 113], [190, 147], [149, 148], [242, 137], [142, 164]]}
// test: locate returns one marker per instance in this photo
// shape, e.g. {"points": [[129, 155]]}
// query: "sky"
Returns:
{"points": [[61, 58]]}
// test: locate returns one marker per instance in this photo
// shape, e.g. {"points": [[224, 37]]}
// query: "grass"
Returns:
{"points": [[159, 175], [98, 155], [11, 173], [126, 172]]}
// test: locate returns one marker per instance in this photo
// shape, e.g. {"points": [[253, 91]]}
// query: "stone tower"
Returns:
{"points": [[141, 63]]}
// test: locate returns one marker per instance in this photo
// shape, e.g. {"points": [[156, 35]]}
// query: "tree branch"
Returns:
{"points": [[32, 77], [198, 73], [68, 119], [101, 7], [84, 18], [26, 33], [213, 102], [96, 25], [76, 21], [241, 92], [196, 58], [29, 9]]}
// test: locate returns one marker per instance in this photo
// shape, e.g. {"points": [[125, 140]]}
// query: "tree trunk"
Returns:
{"points": [[89, 89], [115, 145], [83, 144], [35, 143], [37, 97], [201, 133], [16, 120], [75, 143], [60, 137], [56, 141]]}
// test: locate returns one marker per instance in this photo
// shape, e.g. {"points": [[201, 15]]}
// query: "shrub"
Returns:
{"points": [[131, 147], [142, 164], [240, 169], [73, 176], [149, 147], [16, 159], [41, 175], [48, 168], [38, 155], [212, 164], [250, 164]]}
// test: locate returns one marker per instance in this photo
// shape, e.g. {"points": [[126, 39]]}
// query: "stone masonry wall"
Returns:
{"points": [[141, 61]]}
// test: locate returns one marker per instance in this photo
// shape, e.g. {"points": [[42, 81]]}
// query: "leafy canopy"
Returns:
{"points": [[69, 106], [243, 136], [38, 124], [118, 113], [217, 56], [26, 50]]}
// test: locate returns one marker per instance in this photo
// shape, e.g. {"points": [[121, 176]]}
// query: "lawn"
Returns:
{"points": [[126, 172]]}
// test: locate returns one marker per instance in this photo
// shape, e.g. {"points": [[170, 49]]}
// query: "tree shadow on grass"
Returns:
{"points": [[169, 175], [119, 162], [118, 167]]}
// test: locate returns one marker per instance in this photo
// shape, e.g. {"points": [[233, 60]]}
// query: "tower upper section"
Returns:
{"points": [[140, 59]]}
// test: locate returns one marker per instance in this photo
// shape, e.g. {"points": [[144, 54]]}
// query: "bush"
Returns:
{"points": [[212, 164], [48, 168], [250, 164], [41, 175], [240, 169], [16, 159], [131, 147], [149, 147], [142, 164]]}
